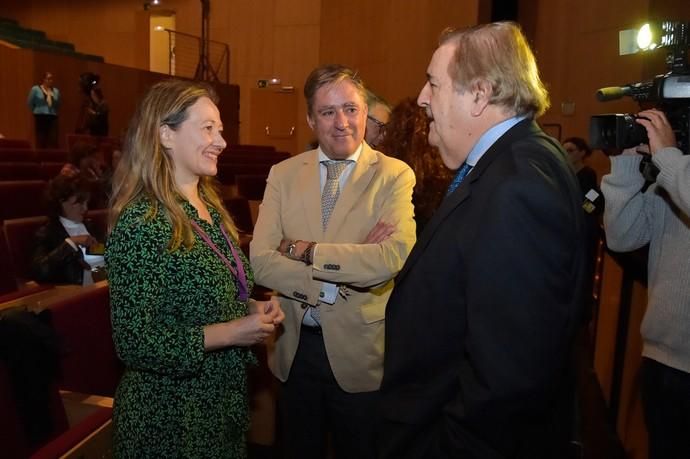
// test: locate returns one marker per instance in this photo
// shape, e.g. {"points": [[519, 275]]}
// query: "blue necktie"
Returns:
{"points": [[459, 176]]}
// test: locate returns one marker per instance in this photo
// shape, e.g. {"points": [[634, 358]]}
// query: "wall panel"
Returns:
{"points": [[122, 87], [390, 42]]}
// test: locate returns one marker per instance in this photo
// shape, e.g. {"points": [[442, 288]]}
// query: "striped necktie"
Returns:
{"points": [[331, 189]]}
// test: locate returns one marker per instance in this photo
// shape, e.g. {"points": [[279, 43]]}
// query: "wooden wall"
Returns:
{"points": [[122, 87], [389, 41]]}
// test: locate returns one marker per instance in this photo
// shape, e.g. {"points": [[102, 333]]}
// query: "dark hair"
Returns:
{"points": [[62, 188], [580, 143], [330, 73], [81, 150], [406, 138], [88, 81]]}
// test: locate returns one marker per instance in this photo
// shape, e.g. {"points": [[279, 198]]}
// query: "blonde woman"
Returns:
{"points": [[182, 317]]}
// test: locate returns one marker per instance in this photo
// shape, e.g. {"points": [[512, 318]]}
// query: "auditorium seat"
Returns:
{"points": [[13, 437], [50, 170], [107, 144], [22, 198], [17, 154], [240, 212], [97, 219], [14, 143], [252, 158], [227, 172], [19, 233], [64, 446], [248, 147], [251, 186], [20, 171], [88, 363], [7, 281], [52, 155]]}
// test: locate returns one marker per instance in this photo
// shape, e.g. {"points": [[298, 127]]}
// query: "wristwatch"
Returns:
{"points": [[291, 249]]}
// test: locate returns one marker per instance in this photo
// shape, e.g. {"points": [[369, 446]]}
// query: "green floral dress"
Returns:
{"points": [[175, 400]]}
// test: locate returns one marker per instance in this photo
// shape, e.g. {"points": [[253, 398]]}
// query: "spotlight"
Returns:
{"points": [[645, 38], [653, 35]]}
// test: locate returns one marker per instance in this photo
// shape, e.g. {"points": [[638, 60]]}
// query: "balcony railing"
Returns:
{"points": [[187, 58]]}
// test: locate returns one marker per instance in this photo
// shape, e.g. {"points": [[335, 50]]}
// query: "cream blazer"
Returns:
{"points": [[379, 188]]}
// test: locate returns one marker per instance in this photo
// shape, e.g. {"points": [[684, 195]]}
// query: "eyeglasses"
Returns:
{"points": [[379, 124]]}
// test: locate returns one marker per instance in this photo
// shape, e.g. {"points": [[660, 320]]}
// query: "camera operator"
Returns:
{"points": [[660, 217], [94, 112]]}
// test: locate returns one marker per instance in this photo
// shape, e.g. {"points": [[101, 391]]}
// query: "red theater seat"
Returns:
{"points": [[22, 198], [16, 170], [17, 154], [240, 212], [89, 364], [14, 143], [251, 186], [19, 233]]}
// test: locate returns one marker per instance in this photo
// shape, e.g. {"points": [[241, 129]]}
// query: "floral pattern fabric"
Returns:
{"points": [[175, 399]]}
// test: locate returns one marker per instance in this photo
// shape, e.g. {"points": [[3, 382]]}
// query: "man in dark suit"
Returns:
{"points": [[480, 324]]}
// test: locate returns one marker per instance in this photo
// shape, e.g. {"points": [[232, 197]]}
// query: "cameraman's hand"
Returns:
{"points": [[638, 150], [658, 128]]}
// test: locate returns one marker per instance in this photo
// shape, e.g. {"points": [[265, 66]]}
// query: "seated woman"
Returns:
{"points": [[63, 246], [88, 162]]}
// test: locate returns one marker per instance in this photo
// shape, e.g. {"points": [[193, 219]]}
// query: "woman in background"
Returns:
{"points": [[44, 102], [61, 245], [406, 138], [182, 318]]}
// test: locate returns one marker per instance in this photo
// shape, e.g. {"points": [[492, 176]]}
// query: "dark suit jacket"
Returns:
{"points": [[480, 323], [54, 260]]}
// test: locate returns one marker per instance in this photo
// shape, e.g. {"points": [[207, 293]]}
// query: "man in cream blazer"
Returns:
{"points": [[334, 273]]}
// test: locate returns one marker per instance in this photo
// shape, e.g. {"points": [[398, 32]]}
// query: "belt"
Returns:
{"points": [[312, 330]]}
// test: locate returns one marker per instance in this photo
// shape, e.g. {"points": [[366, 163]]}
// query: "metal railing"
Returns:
{"points": [[189, 59]]}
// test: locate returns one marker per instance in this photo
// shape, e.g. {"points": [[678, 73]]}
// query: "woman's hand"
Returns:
{"points": [[254, 328], [84, 240], [251, 329], [270, 307]]}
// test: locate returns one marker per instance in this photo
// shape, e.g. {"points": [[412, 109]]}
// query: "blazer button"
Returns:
{"points": [[303, 305]]}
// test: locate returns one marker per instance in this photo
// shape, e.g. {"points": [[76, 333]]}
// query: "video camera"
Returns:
{"points": [[88, 81], [669, 93]]}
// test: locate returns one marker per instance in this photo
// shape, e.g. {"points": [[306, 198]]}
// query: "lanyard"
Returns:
{"points": [[239, 273]]}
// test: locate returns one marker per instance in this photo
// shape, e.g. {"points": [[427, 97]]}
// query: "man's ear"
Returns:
{"points": [[167, 136], [481, 92], [311, 122]]}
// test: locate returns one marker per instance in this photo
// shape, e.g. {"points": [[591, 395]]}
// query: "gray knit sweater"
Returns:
{"points": [[660, 217]]}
